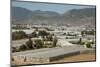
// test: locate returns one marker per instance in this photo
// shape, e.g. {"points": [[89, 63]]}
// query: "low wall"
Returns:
{"points": [[88, 51], [63, 55], [49, 55]]}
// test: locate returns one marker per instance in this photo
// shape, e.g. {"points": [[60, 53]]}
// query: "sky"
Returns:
{"points": [[60, 8]]}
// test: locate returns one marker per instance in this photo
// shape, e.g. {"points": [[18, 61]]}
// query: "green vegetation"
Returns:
{"points": [[88, 45], [43, 33], [55, 42], [18, 35], [80, 41], [67, 38], [23, 47], [14, 49], [64, 34], [40, 33], [47, 40], [29, 44], [39, 43], [34, 34]]}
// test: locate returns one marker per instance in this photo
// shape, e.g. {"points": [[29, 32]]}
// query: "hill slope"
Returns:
{"points": [[74, 16]]}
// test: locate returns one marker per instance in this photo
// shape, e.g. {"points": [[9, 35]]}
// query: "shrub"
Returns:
{"points": [[88, 45], [18, 35], [64, 33], [39, 43], [55, 42], [29, 44], [34, 34], [43, 33], [22, 47], [80, 41], [67, 38], [13, 49], [12, 59], [49, 38]]}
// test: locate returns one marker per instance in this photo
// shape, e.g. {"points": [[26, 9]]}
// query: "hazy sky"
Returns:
{"points": [[60, 8]]}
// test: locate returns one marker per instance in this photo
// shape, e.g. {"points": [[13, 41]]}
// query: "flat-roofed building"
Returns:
{"points": [[46, 55]]}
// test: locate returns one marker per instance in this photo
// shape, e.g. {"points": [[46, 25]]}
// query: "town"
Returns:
{"points": [[44, 43]]}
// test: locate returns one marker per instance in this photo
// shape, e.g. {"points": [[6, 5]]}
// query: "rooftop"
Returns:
{"points": [[49, 52]]}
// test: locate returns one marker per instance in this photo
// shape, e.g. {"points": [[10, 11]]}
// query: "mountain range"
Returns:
{"points": [[21, 15]]}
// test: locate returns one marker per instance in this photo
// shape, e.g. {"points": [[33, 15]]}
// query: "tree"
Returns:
{"points": [[43, 33], [64, 33], [88, 45], [34, 34], [80, 41], [12, 59], [13, 49], [29, 44], [49, 38], [55, 42], [39, 43], [18, 35], [22, 47], [82, 33]]}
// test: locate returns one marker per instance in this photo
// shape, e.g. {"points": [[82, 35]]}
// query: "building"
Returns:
{"points": [[46, 55]]}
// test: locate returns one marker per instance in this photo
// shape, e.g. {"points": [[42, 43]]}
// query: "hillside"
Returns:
{"points": [[19, 13], [74, 16]]}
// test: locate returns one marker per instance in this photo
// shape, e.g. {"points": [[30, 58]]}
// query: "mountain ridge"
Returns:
{"points": [[23, 15]]}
